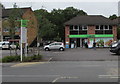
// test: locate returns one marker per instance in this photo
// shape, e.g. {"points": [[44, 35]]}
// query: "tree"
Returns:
{"points": [[59, 17], [15, 14], [114, 16], [2, 6], [56, 19], [46, 29]]}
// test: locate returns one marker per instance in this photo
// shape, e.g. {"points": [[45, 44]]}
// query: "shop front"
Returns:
{"points": [[83, 40]]}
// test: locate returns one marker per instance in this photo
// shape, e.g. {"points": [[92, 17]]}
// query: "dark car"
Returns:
{"points": [[115, 48]]}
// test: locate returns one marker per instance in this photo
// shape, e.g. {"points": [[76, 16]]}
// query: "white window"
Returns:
{"points": [[97, 27], [76, 27], [110, 27], [106, 27], [84, 28]]}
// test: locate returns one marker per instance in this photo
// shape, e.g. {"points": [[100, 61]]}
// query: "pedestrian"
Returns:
{"points": [[94, 45], [75, 45], [86, 45], [17, 46]]}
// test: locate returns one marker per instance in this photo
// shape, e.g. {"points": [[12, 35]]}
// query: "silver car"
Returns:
{"points": [[55, 45]]}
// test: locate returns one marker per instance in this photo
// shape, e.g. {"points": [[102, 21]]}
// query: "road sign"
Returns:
{"points": [[24, 35]]}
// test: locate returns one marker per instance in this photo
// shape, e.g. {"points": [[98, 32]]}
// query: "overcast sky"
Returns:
{"points": [[92, 7]]}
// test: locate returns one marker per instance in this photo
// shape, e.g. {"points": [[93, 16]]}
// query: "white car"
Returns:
{"points": [[4, 45], [55, 45], [13, 46], [7, 45]]}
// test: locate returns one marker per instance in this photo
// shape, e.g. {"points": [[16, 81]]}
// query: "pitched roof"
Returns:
{"points": [[90, 20], [7, 12], [117, 20]]}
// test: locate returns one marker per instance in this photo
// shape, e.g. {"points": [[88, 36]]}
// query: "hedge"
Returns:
{"points": [[25, 58]]}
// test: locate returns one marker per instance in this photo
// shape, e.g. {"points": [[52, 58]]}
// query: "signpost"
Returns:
{"points": [[23, 36]]}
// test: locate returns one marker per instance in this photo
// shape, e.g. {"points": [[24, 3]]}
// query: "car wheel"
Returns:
{"points": [[61, 49], [47, 49]]}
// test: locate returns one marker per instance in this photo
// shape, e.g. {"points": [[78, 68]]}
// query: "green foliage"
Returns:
{"points": [[51, 24], [0, 60], [114, 16], [32, 58], [15, 14], [11, 59], [25, 59], [1, 6]]}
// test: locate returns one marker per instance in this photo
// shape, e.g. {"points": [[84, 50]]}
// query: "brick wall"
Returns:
{"points": [[67, 33], [91, 30], [115, 33], [32, 26]]}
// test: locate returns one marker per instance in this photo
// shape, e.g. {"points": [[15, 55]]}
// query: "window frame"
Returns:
{"points": [[75, 28], [98, 26], [105, 28], [84, 26]]}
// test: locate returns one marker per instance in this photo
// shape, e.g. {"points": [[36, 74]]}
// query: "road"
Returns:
{"points": [[80, 54], [71, 65], [62, 71]]}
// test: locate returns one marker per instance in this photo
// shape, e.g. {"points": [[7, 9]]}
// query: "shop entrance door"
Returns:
{"points": [[78, 42]]}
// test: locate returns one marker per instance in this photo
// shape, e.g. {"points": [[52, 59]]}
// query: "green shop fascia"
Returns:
{"points": [[107, 38], [92, 36]]}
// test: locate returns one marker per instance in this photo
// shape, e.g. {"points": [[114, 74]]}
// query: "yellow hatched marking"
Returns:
{"points": [[27, 63]]}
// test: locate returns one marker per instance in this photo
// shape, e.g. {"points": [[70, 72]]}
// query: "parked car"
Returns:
{"points": [[1, 44], [54, 45], [7, 45], [4, 45], [115, 47]]}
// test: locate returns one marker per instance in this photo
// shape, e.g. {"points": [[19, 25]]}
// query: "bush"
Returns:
{"points": [[32, 58], [11, 59], [25, 59]]}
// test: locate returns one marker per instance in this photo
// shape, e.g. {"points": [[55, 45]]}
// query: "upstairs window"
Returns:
{"points": [[84, 28], [110, 27], [101, 27], [106, 27], [97, 27], [76, 28], [71, 27], [80, 27]]}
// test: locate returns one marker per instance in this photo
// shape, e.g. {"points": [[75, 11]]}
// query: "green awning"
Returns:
{"points": [[91, 36]]}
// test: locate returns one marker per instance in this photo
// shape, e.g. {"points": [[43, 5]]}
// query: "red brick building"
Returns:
{"points": [[27, 14], [90, 29]]}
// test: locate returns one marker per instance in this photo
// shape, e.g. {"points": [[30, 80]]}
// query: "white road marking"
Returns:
{"points": [[109, 76], [29, 75], [58, 78], [50, 59], [57, 52]]}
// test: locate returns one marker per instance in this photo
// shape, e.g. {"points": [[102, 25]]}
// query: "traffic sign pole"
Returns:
{"points": [[21, 43], [23, 24]]}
